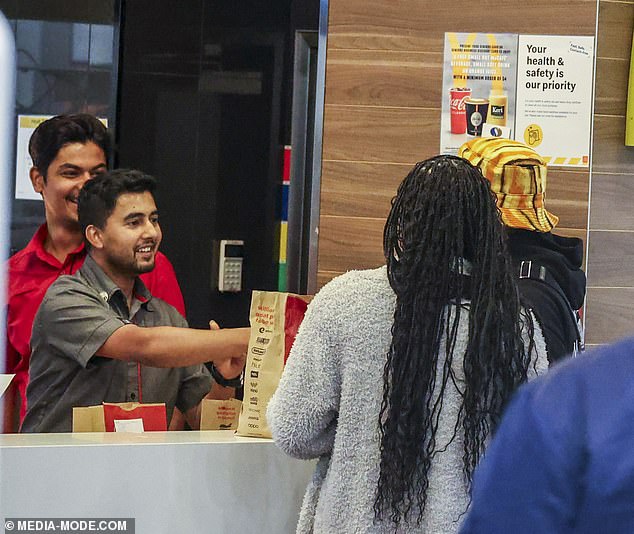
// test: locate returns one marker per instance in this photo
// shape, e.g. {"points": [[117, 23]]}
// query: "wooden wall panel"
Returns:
{"points": [[609, 153], [420, 24], [384, 78], [612, 205], [355, 189], [610, 298], [611, 257], [567, 196], [347, 243], [323, 277], [360, 189], [609, 314], [610, 98], [381, 134], [383, 104], [616, 20]]}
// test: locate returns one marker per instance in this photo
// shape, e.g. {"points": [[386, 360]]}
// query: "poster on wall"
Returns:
{"points": [[554, 95], [478, 87], [23, 186], [23, 164], [532, 88]]}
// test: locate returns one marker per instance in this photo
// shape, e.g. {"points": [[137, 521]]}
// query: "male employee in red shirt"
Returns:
{"points": [[66, 150]]}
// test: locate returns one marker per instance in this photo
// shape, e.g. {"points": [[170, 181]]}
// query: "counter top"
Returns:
{"points": [[190, 482], [209, 437]]}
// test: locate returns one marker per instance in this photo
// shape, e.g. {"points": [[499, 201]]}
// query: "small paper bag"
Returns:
{"points": [[88, 419], [220, 414]]}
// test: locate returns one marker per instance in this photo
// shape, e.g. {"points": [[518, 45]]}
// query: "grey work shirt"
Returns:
{"points": [[78, 314]]}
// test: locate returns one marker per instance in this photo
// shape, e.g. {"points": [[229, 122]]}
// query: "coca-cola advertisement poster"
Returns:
{"points": [[478, 95]]}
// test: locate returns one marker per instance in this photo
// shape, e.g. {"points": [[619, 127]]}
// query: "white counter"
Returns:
{"points": [[170, 482]]}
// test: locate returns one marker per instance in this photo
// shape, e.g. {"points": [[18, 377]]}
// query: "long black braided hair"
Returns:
{"points": [[444, 224]]}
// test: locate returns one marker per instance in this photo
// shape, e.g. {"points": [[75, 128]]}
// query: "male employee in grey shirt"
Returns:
{"points": [[99, 336]]}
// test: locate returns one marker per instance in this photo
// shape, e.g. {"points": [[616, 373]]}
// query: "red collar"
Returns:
{"points": [[36, 246]]}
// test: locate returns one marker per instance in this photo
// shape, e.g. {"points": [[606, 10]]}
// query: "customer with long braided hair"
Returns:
{"points": [[399, 375]]}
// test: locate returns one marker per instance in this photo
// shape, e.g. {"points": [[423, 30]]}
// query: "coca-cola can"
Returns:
{"points": [[457, 97]]}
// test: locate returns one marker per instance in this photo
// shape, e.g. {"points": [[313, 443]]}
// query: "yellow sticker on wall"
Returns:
{"points": [[533, 135]]}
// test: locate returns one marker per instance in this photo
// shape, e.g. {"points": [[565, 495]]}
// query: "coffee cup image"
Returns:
{"points": [[476, 110]]}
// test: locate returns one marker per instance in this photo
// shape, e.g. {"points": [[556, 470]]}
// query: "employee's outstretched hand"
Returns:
{"points": [[232, 367]]}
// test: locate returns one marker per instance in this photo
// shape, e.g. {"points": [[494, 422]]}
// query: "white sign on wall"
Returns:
{"points": [[23, 186], [26, 126], [536, 89], [554, 96]]}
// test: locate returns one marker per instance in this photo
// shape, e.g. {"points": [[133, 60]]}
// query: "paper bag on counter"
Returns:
{"points": [[103, 418], [154, 416], [220, 414], [275, 318], [88, 419]]}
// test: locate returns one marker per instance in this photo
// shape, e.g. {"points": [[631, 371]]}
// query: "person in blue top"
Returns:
{"points": [[562, 460]]}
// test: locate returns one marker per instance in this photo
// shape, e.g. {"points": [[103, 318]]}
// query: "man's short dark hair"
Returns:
{"points": [[98, 198], [55, 133]]}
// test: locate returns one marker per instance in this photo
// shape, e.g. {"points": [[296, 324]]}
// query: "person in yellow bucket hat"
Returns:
{"points": [[548, 265]]}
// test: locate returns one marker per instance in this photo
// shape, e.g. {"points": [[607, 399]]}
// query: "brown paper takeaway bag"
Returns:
{"points": [[219, 414], [275, 318]]}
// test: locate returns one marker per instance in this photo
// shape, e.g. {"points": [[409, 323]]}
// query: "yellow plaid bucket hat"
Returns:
{"points": [[518, 177]]}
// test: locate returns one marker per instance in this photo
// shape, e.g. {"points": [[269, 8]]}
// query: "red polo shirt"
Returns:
{"points": [[31, 271]]}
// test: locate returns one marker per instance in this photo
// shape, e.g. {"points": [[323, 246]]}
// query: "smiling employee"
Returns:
{"points": [[100, 335], [67, 151]]}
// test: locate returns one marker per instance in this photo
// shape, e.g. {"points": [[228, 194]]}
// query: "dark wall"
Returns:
{"points": [[197, 93], [205, 106], [64, 54]]}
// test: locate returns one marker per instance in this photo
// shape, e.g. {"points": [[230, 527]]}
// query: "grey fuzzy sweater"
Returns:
{"points": [[327, 406]]}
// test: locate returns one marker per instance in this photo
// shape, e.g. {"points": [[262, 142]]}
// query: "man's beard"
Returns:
{"points": [[131, 268]]}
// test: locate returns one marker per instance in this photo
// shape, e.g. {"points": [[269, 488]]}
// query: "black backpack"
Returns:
{"points": [[540, 292]]}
